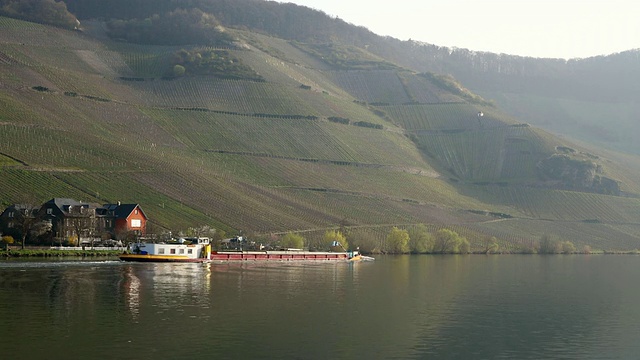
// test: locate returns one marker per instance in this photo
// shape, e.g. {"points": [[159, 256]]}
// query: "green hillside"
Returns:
{"points": [[312, 142]]}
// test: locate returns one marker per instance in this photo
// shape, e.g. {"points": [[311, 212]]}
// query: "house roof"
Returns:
{"points": [[61, 203], [122, 211], [118, 211], [21, 208], [65, 203]]}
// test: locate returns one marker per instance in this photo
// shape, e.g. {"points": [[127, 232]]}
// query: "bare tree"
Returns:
{"points": [[25, 220], [83, 222]]}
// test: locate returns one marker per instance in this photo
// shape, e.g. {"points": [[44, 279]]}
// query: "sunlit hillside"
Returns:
{"points": [[294, 137]]}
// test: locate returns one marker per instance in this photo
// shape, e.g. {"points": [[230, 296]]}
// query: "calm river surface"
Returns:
{"points": [[402, 307]]}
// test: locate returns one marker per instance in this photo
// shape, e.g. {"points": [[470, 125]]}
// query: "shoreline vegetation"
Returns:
{"points": [[14, 253], [414, 240], [52, 253]]}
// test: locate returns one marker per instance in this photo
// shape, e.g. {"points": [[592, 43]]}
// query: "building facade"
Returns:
{"points": [[70, 221]]}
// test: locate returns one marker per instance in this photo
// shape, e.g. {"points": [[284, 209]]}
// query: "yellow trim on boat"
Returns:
{"points": [[158, 257]]}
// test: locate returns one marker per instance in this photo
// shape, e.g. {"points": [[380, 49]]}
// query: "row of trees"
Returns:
{"points": [[48, 12], [177, 27], [219, 63], [549, 245], [419, 240], [415, 240], [285, 20], [296, 241]]}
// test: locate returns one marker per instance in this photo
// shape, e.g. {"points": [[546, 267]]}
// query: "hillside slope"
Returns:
{"points": [[316, 143], [592, 99]]}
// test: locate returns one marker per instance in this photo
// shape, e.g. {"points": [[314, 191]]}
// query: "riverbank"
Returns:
{"points": [[57, 253]]}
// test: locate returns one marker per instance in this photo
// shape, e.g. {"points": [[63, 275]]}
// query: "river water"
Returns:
{"points": [[397, 307]]}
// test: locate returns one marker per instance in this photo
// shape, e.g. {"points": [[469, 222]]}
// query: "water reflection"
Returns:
{"points": [[290, 278], [283, 308], [131, 286], [169, 288], [543, 307], [443, 307]]}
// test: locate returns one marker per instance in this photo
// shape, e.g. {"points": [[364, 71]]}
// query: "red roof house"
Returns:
{"points": [[127, 218]]}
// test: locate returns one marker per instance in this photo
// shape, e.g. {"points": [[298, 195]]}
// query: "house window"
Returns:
{"points": [[161, 251], [49, 211], [189, 251], [135, 211], [10, 225], [181, 251], [136, 223], [11, 214], [173, 251]]}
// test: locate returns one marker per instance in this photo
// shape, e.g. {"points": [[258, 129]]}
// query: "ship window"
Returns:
{"points": [[181, 251], [173, 251], [161, 251]]}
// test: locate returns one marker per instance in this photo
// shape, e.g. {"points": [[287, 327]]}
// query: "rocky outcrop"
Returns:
{"points": [[566, 172]]}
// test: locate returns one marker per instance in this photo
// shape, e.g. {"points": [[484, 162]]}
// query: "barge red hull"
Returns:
{"points": [[277, 256]]}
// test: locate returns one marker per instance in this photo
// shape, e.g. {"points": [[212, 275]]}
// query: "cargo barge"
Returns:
{"points": [[285, 255], [199, 250]]}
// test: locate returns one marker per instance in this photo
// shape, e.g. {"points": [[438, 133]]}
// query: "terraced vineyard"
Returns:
{"points": [[41, 184], [422, 91], [565, 205], [446, 116], [287, 72], [497, 154], [281, 49], [311, 148], [292, 138], [379, 86], [104, 187], [142, 61]]}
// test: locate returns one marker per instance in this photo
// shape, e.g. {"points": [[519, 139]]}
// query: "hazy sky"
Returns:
{"points": [[541, 28]]}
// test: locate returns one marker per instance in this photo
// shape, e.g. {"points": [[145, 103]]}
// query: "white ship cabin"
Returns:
{"points": [[189, 247]]}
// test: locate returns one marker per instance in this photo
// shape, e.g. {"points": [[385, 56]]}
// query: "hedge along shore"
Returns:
{"points": [[57, 253]]}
